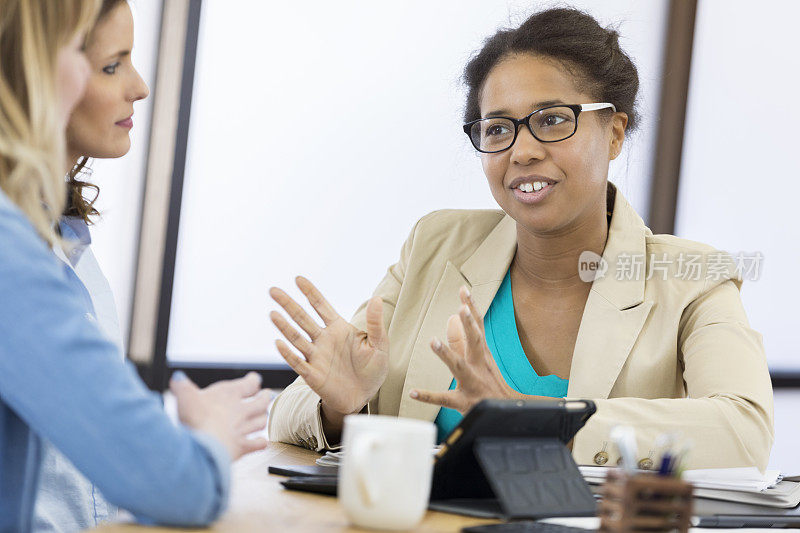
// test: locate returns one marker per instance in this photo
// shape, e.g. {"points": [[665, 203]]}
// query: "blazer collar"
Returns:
{"points": [[614, 314]]}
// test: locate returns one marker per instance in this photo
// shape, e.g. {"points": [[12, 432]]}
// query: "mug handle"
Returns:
{"points": [[361, 449]]}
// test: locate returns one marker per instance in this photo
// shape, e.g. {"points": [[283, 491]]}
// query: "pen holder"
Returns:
{"points": [[645, 502]]}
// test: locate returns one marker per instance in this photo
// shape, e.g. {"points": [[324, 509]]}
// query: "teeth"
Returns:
{"points": [[535, 186]]}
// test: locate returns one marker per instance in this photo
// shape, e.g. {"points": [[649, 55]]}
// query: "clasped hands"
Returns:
{"points": [[346, 366]]}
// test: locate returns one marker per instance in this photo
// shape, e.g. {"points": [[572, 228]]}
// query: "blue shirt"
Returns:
{"points": [[502, 338], [61, 379], [65, 500]]}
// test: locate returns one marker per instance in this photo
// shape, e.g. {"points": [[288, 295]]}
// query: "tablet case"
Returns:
{"points": [[527, 472]]}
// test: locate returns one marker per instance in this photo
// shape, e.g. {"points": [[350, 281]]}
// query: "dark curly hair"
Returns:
{"points": [[576, 40], [78, 205]]}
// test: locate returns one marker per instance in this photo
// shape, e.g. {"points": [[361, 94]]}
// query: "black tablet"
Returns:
{"points": [[457, 472]]}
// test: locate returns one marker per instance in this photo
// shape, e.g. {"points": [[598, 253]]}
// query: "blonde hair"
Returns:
{"points": [[32, 144]]}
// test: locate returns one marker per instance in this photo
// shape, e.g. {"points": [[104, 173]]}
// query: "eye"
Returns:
{"points": [[553, 119], [496, 129], [111, 69]]}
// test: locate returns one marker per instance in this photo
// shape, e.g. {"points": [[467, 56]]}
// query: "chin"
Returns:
{"points": [[115, 150], [535, 219]]}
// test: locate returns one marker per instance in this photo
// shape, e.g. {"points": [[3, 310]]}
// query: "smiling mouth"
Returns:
{"points": [[532, 190], [535, 186]]}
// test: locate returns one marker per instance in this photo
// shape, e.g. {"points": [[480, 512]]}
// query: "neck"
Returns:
{"points": [[550, 262]]}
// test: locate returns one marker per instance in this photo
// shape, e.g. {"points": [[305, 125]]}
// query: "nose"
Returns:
{"points": [[526, 148], [139, 89]]}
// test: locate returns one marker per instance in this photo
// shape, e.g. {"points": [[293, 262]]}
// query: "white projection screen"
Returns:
{"points": [[321, 131], [740, 175]]}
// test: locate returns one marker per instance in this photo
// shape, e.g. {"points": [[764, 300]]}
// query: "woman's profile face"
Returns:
{"points": [[577, 166], [100, 124]]}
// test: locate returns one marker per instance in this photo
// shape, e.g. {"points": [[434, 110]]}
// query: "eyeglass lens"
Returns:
{"points": [[548, 125]]}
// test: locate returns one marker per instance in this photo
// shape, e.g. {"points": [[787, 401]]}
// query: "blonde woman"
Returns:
{"points": [[60, 378], [98, 127]]}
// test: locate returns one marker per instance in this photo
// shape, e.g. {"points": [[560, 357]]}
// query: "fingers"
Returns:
{"points": [[317, 301], [257, 405], [448, 399], [474, 337], [376, 330], [466, 299], [453, 360], [251, 445], [296, 311], [455, 335], [291, 334], [180, 384], [248, 385], [255, 424], [297, 363]]}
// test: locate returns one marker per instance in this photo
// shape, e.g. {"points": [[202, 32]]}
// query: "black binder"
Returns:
{"points": [[508, 458]]}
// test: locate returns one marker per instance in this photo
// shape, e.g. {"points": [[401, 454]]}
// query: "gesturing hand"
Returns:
{"points": [[229, 410], [470, 360], [343, 365]]}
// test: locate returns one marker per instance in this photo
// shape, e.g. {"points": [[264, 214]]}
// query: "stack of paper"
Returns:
{"points": [[738, 479], [746, 485]]}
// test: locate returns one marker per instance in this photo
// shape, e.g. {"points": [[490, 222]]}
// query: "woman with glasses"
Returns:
{"points": [[563, 293]]}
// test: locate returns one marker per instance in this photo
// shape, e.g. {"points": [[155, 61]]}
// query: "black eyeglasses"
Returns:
{"points": [[548, 125]]}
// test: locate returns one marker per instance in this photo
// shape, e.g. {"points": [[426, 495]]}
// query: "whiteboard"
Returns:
{"points": [[371, 94], [740, 175]]}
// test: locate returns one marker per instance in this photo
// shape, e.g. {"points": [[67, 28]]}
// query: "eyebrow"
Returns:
{"points": [[118, 55], [537, 105]]}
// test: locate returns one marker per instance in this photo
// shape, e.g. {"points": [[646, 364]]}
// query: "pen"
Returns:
{"points": [[665, 441], [665, 469]]}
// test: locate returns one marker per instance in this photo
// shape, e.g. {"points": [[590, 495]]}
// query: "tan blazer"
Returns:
{"points": [[672, 353]]}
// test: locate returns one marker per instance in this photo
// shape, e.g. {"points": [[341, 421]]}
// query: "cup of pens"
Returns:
{"points": [[633, 500]]}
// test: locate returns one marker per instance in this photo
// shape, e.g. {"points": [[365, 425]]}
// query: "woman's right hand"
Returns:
{"points": [[230, 410], [343, 365]]}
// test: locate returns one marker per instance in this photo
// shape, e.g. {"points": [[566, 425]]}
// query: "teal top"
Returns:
{"points": [[503, 341]]}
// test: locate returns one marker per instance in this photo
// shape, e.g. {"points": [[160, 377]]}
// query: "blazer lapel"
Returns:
{"points": [[482, 273], [615, 311], [605, 338]]}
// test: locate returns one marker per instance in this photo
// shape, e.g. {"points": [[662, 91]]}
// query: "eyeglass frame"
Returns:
{"points": [[576, 108]]}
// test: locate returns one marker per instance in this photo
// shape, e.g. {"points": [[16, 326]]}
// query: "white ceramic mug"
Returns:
{"points": [[385, 475]]}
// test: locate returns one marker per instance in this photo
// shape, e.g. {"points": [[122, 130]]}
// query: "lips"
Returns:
{"points": [[531, 179], [532, 189], [127, 123]]}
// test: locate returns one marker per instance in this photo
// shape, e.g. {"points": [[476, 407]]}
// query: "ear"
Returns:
{"points": [[618, 123]]}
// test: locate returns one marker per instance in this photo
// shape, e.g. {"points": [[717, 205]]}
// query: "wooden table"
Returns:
{"points": [[259, 503]]}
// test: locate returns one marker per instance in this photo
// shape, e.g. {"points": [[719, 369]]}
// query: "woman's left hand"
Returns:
{"points": [[471, 362]]}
